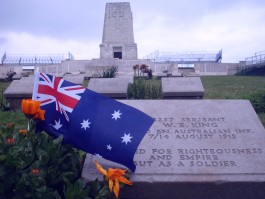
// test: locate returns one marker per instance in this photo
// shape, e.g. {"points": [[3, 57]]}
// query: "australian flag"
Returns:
{"points": [[89, 121]]}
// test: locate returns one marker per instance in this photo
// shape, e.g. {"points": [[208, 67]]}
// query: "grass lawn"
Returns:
{"points": [[235, 87], [232, 87], [3, 86]]}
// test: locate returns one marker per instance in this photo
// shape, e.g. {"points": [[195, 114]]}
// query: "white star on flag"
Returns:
{"points": [[57, 125], [116, 115], [109, 147], [126, 138], [85, 124]]}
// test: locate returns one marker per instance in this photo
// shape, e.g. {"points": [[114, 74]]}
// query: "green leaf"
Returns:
{"points": [[69, 175], [2, 158], [81, 183], [41, 152], [94, 188], [56, 195], [58, 140], [42, 189], [104, 191], [44, 159]]}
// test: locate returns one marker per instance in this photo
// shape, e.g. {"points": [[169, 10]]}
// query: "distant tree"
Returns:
{"points": [[10, 75]]}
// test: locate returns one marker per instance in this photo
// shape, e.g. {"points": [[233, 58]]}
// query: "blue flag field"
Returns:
{"points": [[90, 121]]}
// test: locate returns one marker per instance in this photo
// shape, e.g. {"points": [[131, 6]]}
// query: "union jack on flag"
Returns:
{"points": [[89, 121], [64, 94]]}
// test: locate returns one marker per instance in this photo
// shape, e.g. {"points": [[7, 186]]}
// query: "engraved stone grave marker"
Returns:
{"points": [[183, 88], [18, 90], [211, 148], [111, 87]]}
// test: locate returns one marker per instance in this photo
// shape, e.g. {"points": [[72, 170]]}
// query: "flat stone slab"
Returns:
{"points": [[183, 88], [16, 77], [211, 148], [18, 90], [192, 75], [128, 78], [76, 79], [110, 87], [176, 74]]}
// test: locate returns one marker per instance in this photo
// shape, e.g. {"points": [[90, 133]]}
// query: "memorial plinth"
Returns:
{"points": [[182, 88], [196, 149]]}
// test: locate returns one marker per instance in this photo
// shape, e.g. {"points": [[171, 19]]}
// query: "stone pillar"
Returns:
{"points": [[118, 37]]}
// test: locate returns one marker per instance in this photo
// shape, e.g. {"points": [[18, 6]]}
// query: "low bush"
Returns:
{"points": [[109, 72], [38, 166], [145, 89]]}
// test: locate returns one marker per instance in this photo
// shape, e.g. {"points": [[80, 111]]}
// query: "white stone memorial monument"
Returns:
{"points": [[118, 37]]}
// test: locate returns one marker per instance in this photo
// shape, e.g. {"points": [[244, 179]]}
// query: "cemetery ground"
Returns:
{"points": [[216, 87], [42, 147]]}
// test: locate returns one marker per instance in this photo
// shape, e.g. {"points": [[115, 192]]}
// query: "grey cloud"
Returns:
{"points": [[64, 19], [183, 21]]}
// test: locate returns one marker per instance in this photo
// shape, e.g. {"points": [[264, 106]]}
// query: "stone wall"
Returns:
{"points": [[216, 68], [94, 66], [162, 67], [125, 67], [5, 69]]}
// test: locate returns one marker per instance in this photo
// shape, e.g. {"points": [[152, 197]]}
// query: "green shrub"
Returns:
{"points": [[145, 89], [4, 105], [109, 72], [16, 117], [38, 166]]}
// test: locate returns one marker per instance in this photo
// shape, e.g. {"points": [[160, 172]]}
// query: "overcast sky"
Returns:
{"points": [[60, 26]]}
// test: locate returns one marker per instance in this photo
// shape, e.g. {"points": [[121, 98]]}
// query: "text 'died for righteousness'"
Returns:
{"points": [[199, 144]]}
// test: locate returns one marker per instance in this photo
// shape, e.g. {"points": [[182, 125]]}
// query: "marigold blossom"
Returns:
{"points": [[31, 108], [23, 131], [114, 177], [35, 171]]}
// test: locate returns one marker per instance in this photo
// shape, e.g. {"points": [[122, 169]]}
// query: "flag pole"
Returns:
{"points": [[36, 84], [35, 89]]}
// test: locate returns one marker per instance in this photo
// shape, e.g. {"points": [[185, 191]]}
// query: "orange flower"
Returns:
{"points": [[39, 114], [35, 171], [114, 176], [31, 108], [23, 131]]}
